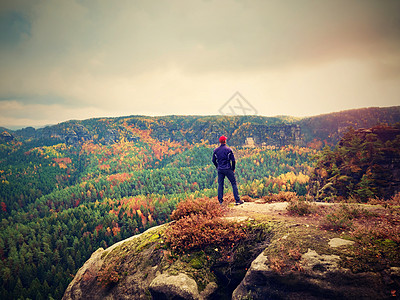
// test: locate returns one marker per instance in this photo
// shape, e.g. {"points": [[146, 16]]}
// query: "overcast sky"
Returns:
{"points": [[77, 59]]}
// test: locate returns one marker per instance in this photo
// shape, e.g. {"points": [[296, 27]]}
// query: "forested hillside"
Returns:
{"points": [[269, 131], [70, 188], [331, 127], [365, 164], [60, 202]]}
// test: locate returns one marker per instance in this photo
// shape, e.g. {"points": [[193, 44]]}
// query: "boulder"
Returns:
{"points": [[179, 286], [338, 242], [321, 278]]}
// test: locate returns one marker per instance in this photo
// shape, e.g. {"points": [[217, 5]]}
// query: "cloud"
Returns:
{"points": [[133, 36], [13, 28], [183, 57], [41, 115]]}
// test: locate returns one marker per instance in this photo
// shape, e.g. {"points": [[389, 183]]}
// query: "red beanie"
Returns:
{"points": [[222, 139]]}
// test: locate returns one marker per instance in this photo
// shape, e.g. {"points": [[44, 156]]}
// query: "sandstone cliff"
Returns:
{"points": [[6, 137], [143, 267]]}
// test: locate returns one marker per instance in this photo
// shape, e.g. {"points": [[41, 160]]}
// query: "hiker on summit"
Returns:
{"points": [[224, 161]]}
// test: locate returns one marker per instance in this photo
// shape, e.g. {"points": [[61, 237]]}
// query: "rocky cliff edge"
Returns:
{"points": [[291, 259]]}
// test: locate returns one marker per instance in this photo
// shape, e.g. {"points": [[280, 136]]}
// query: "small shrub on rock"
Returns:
{"points": [[335, 221], [281, 197], [377, 243], [108, 275], [300, 207], [198, 231], [394, 201], [341, 217], [198, 224], [203, 206]]}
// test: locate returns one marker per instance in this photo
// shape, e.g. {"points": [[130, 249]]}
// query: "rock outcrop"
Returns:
{"points": [[134, 269], [6, 137], [112, 274], [85, 277], [111, 136], [141, 268], [78, 133], [174, 286], [321, 278], [138, 268], [267, 135]]}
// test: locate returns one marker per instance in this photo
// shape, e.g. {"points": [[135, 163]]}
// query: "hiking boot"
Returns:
{"points": [[239, 202], [220, 202]]}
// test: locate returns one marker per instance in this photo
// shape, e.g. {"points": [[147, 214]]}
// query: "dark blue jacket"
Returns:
{"points": [[222, 158]]}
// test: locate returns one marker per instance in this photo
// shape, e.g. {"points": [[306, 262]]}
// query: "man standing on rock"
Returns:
{"points": [[224, 161]]}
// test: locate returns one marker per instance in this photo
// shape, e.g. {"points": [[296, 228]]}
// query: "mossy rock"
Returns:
{"points": [[196, 263]]}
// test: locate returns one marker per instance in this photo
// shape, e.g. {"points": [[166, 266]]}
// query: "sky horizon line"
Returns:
{"points": [[16, 128]]}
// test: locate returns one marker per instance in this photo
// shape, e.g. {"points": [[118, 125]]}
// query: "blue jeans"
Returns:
{"points": [[221, 177]]}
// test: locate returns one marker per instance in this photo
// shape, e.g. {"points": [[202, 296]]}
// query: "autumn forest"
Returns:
{"points": [[71, 188]]}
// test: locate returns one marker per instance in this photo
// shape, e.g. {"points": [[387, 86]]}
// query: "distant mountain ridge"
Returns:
{"points": [[240, 130]]}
